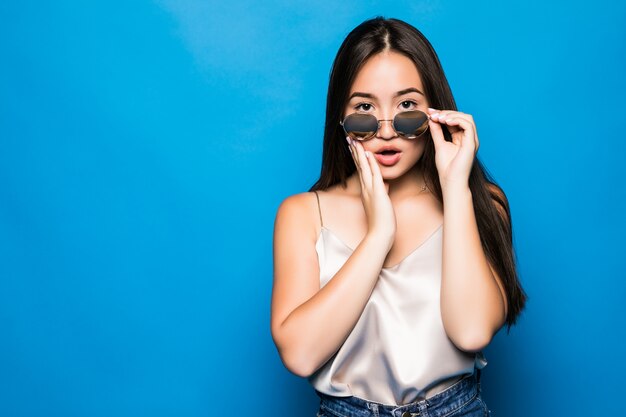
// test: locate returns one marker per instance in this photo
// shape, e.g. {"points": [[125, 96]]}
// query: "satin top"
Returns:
{"points": [[398, 351]]}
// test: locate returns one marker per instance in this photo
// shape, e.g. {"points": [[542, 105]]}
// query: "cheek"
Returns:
{"points": [[417, 149], [367, 147]]}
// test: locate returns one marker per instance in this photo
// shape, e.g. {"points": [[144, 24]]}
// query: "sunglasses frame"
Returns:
{"points": [[370, 136]]}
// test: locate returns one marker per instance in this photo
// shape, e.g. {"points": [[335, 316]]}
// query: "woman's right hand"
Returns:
{"points": [[381, 217]]}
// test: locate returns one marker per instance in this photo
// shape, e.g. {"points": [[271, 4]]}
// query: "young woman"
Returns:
{"points": [[397, 268]]}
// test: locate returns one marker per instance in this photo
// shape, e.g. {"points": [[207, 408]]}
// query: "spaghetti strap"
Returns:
{"points": [[318, 208]]}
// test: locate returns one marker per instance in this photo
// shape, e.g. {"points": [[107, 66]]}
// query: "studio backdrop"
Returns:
{"points": [[145, 147]]}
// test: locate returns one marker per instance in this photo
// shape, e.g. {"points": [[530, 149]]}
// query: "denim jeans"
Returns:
{"points": [[463, 398]]}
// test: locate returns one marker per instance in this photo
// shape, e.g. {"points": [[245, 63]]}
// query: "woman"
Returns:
{"points": [[396, 269]]}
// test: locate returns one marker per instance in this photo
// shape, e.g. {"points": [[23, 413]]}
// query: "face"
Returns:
{"points": [[381, 88]]}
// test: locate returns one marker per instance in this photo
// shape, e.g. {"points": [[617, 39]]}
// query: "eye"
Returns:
{"points": [[409, 102], [358, 106]]}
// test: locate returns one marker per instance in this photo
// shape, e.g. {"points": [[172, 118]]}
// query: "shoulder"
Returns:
{"points": [[298, 204], [297, 209]]}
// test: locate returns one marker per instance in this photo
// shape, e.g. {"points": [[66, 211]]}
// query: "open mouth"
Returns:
{"points": [[388, 157]]}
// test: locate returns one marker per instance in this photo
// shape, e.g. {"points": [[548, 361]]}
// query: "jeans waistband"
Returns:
{"points": [[440, 404]]}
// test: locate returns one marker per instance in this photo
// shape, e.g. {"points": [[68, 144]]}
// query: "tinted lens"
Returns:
{"points": [[411, 123], [360, 126]]}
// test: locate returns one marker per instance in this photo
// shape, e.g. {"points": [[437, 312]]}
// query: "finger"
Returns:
{"points": [[462, 123], [437, 133], [350, 147], [442, 115], [355, 157], [377, 176], [366, 172], [455, 136], [441, 111], [468, 139]]}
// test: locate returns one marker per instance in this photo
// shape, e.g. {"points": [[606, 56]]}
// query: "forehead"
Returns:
{"points": [[385, 73]]}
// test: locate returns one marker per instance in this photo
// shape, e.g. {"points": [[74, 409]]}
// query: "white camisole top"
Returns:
{"points": [[398, 351]]}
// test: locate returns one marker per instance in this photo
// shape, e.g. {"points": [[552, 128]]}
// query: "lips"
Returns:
{"points": [[388, 156], [387, 150]]}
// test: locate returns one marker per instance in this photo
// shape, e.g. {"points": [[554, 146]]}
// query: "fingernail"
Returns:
{"points": [[368, 153], [431, 109], [348, 139]]}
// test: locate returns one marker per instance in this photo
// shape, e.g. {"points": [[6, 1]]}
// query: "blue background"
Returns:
{"points": [[145, 147]]}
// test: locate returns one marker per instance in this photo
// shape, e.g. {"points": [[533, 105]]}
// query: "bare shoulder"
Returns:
{"points": [[300, 200], [296, 211]]}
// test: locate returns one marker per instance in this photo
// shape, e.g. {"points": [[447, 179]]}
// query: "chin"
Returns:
{"points": [[395, 171], [391, 173]]}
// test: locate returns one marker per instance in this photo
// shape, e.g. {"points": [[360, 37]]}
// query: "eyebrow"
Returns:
{"points": [[399, 93]]}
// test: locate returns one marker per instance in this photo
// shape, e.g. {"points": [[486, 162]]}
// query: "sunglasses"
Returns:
{"points": [[363, 126]]}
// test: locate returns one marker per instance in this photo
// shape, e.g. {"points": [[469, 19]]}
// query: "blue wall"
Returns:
{"points": [[145, 147]]}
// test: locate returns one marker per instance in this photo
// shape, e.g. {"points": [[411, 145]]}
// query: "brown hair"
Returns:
{"points": [[493, 220]]}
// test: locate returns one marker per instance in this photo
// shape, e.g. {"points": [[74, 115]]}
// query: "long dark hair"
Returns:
{"points": [[493, 220]]}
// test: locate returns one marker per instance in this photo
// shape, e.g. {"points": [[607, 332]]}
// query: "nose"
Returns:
{"points": [[385, 129]]}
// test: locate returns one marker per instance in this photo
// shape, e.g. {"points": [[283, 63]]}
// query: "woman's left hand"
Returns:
{"points": [[453, 159]]}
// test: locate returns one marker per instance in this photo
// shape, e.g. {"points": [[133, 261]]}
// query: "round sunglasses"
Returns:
{"points": [[363, 126]]}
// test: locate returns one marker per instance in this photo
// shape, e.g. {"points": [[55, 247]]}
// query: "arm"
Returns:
{"points": [[473, 300], [310, 324]]}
